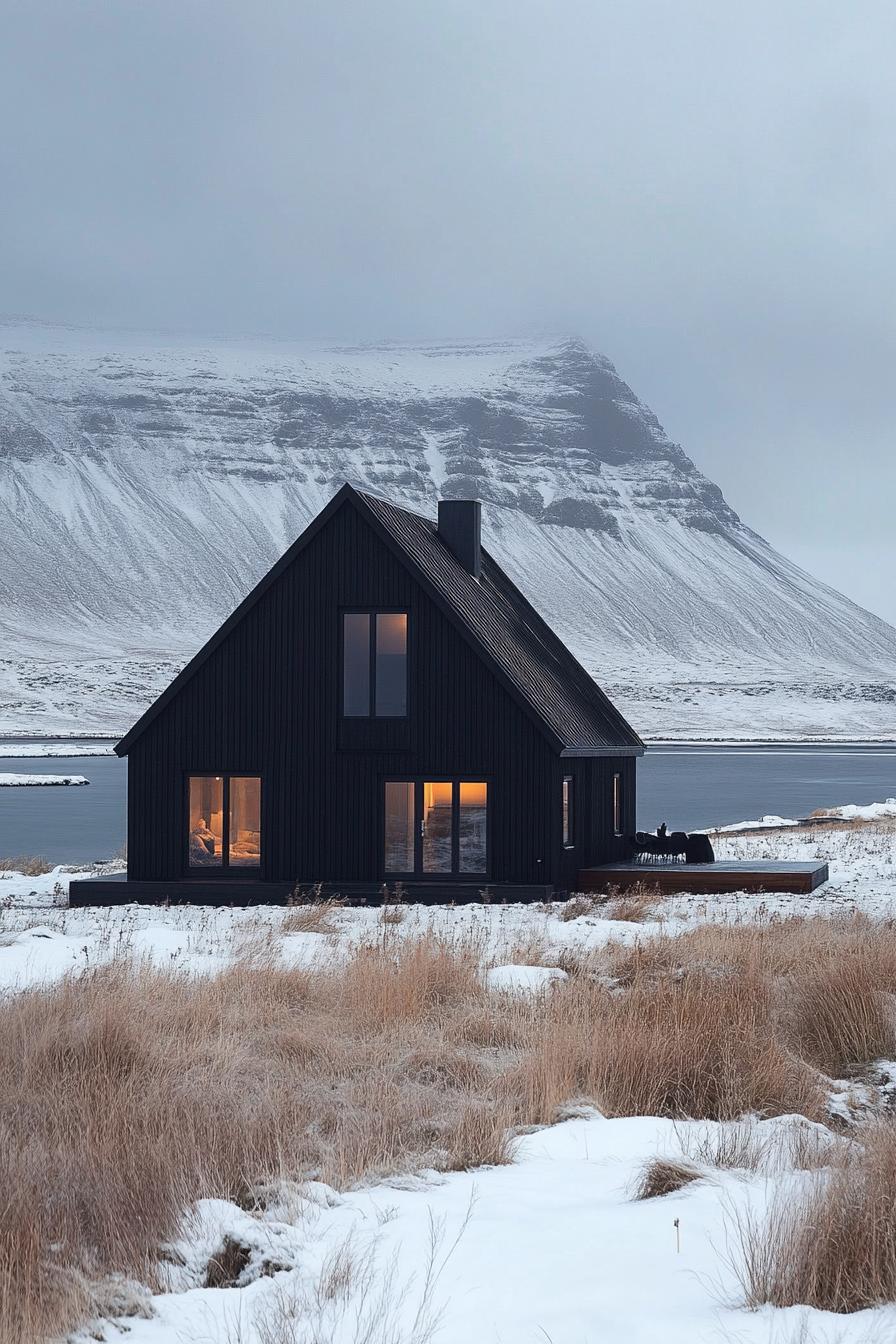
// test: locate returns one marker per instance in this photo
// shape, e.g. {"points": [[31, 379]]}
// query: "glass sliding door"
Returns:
{"points": [[438, 827], [472, 819], [400, 827], [435, 828]]}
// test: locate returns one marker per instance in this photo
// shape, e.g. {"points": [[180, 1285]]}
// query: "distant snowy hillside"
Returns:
{"points": [[147, 481]]}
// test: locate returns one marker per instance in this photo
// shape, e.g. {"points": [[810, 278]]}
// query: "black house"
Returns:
{"points": [[385, 707]]}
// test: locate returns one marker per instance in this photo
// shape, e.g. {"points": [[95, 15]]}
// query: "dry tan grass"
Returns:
{"points": [[833, 1246], [28, 864], [700, 1046], [311, 916], [663, 1176], [635, 904], [839, 1016], [775, 948], [128, 1093], [576, 907]]}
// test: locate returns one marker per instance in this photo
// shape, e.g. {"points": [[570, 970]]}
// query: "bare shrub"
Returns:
{"points": [[635, 904], [754, 1145], [311, 916], [735, 1146], [28, 865], [663, 1176], [535, 950], [832, 1246], [576, 907]]}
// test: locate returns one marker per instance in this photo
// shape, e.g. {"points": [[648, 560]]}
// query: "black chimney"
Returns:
{"points": [[459, 528]]}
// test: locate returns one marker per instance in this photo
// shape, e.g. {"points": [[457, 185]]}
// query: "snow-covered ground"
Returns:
{"points": [[21, 750], [549, 1248]]}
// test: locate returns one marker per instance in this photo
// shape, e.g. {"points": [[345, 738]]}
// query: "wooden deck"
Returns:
{"points": [[706, 878]]}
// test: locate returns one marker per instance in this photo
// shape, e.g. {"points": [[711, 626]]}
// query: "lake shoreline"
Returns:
{"points": [[105, 742]]}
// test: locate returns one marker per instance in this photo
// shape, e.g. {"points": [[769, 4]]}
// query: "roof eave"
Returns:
{"points": [[602, 751]]}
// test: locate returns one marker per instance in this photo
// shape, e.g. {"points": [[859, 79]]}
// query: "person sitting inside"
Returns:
{"points": [[202, 844]]}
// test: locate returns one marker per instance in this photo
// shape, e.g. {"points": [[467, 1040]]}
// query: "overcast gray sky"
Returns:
{"points": [[705, 191]]}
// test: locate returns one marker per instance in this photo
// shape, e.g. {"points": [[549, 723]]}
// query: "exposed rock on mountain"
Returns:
{"points": [[146, 482]]}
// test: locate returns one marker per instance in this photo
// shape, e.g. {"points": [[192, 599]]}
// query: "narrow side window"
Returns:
{"points": [[617, 804], [568, 817], [391, 664], [356, 664]]}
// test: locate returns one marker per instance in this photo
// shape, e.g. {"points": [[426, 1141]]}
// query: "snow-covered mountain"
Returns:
{"points": [[147, 481]]}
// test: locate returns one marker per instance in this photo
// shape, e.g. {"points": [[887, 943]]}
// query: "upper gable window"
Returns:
{"points": [[374, 664]]}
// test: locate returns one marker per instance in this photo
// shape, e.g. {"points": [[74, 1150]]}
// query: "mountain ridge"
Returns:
{"points": [[148, 481]]}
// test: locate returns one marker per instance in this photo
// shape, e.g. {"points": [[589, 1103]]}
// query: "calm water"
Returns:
{"points": [[687, 787], [65, 825], [693, 787]]}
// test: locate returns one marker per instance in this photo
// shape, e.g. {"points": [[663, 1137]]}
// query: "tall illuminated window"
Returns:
{"points": [[374, 664]]}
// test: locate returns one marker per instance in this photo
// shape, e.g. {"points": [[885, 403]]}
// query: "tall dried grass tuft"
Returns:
{"points": [[832, 1245], [664, 1176], [839, 1016], [29, 865], [310, 916]]}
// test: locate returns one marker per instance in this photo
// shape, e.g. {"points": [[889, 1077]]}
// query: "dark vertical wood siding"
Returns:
{"points": [[266, 702]]}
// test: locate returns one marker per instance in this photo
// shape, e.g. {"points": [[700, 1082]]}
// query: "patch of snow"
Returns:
{"points": [[853, 812], [9, 780], [525, 979], [769, 822]]}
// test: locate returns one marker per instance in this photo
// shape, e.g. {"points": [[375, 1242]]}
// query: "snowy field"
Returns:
{"points": [[41, 938], [19, 749], [551, 1247]]}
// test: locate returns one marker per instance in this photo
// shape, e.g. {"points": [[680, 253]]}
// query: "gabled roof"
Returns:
{"points": [[492, 614]]}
